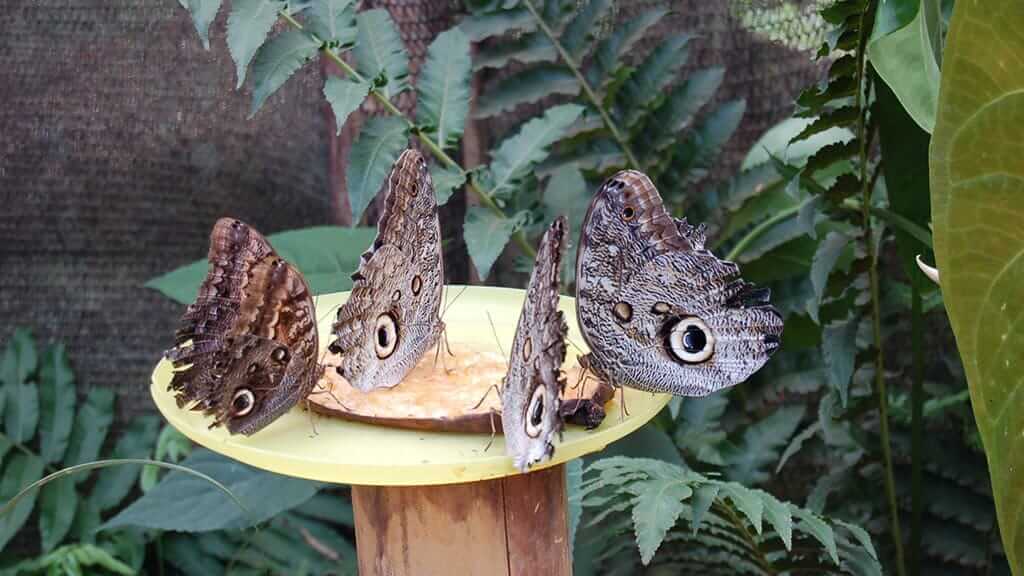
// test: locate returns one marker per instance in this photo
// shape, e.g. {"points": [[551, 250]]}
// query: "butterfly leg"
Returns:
{"points": [[494, 431], [328, 391], [623, 412], [312, 420], [486, 394]]}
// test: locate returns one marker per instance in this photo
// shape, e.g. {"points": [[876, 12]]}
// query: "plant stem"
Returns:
{"points": [[585, 86], [25, 450], [763, 227], [485, 199], [916, 424], [761, 560]]}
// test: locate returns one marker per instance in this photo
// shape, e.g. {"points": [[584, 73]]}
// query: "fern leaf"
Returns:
{"points": [[861, 536], [380, 53], [759, 448], [779, 516], [530, 85], [249, 24], [680, 108], [825, 258], [744, 500], [845, 116], [482, 26], [579, 33], [839, 350], [656, 508], [610, 50], [443, 87], [518, 154], [528, 49], [383, 138], [344, 96], [698, 429], [446, 180], [651, 77], [486, 235], [811, 523], [333, 21], [203, 12], [706, 142], [796, 443], [276, 61], [703, 497]]}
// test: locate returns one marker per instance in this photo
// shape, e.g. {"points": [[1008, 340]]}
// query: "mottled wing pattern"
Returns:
{"points": [[246, 348], [658, 310], [392, 316], [531, 395]]}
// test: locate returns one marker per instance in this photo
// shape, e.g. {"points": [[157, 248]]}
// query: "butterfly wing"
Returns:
{"points": [[531, 397], [253, 309], [391, 317]]}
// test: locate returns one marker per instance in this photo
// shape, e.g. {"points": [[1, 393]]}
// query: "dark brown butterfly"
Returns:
{"points": [[246, 349]]}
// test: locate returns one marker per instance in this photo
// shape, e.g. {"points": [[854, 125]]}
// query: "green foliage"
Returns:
{"points": [[276, 61], [380, 53], [443, 87], [248, 25], [378, 146], [486, 235], [325, 255], [345, 97], [715, 524], [976, 198]]}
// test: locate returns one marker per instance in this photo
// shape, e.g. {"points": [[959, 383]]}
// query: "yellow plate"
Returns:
{"points": [[354, 453]]}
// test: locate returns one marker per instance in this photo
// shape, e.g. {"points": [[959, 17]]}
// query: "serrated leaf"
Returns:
{"points": [[58, 502], [248, 25], [811, 523], [276, 61], [482, 26], [56, 403], [90, 429], [651, 76], [20, 470], [446, 180], [379, 51], [486, 235], [114, 483], [443, 87], [839, 350], [682, 104], [345, 97], [703, 497], [698, 430], [528, 49], [516, 155], [325, 255], [203, 13], [656, 509], [744, 500], [579, 32], [779, 516], [531, 85], [573, 483], [333, 21], [796, 443], [861, 536], [264, 495], [567, 194], [750, 461], [383, 138], [825, 258], [611, 48]]}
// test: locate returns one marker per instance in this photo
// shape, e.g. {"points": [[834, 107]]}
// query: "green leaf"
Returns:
{"points": [[89, 555], [446, 180], [486, 235], [611, 48], [525, 87], [248, 25], [573, 483], [779, 516], [656, 72], [329, 508], [379, 51], [345, 97], [907, 58], [383, 138], [707, 140], [839, 350], [482, 26], [655, 510], [20, 358], [703, 497], [811, 523], [56, 403], [825, 258], [528, 49], [977, 181], [567, 194], [90, 429], [20, 470], [746, 501], [516, 155], [579, 32], [796, 443], [276, 61], [203, 12], [58, 502], [751, 461], [183, 552], [698, 428], [264, 495], [681, 107], [21, 411], [114, 483], [325, 255], [333, 21], [87, 520], [443, 87]]}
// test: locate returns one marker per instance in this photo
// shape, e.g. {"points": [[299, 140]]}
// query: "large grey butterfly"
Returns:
{"points": [[658, 310], [530, 398], [391, 317], [246, 348]]}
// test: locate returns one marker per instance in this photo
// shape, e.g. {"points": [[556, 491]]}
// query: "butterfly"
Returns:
{"points": [[391, 317], [530, 398], [246, 349], [658, 310]]}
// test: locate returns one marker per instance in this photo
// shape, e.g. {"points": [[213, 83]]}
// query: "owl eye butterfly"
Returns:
{"points": [[391, 317], [658, 310], [245, 350], [530, 399]]}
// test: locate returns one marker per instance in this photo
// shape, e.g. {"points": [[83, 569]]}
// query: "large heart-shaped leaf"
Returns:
{"points": [[977, 176], [325, 255]]}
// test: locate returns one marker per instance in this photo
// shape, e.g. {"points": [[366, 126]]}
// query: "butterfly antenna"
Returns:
{"points": [[497, 340], [573, 344], [454, 300]]}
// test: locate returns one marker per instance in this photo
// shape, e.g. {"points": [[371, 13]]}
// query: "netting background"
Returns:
{"points": [[122, 141]]}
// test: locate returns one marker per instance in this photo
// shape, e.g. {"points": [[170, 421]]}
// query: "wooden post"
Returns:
{"points": [[509, 526]]}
